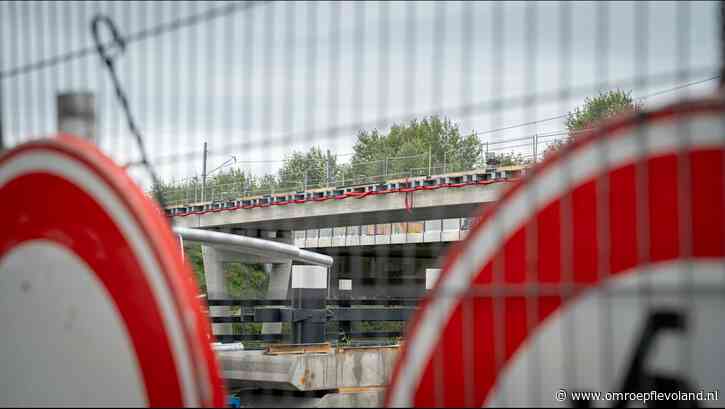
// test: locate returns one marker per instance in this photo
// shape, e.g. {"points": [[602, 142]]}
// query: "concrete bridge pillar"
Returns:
{"points": [[216, 287], [279, 278]]}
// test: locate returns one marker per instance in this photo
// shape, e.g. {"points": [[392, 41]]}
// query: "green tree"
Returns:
{"points": [[243, 280], [407, 146], [265, 184], [226, 184], [313, 168], [594, 110], [195, 260], [507, 159], [598, 108]]}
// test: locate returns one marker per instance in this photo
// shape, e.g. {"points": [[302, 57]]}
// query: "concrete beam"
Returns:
{"points": [[354, 367]]}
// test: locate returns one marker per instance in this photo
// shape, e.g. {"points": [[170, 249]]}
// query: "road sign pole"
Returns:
{"points": [[76, 114]]}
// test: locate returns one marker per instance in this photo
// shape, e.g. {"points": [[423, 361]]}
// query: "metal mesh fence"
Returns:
{"points": [[374, 132]]}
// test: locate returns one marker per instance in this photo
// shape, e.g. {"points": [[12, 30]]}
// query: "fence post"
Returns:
{"points": [[485, 160], [76, 114], [430, 158], [203, 175]]}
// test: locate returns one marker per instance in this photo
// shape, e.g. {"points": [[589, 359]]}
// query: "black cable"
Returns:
{"points": [[209, 14], [665, 91], [119, 44]]}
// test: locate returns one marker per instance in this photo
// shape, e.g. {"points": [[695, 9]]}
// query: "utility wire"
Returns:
{"points": [[522, 138], [103, 50], [144, 34], [665, 91]]}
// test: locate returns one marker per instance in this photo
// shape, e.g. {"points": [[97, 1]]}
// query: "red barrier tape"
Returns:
{"points": [[357, 195]]}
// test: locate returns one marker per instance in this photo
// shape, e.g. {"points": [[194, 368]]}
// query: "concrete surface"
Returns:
{"points": [[279, 279], [275, 399], [341, 368], [216, 286], [368, 399]]}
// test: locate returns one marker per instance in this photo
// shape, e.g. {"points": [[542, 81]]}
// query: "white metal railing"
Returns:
{"points": [[255, 246]]}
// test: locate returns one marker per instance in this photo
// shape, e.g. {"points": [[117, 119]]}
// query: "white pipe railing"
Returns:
{"points": [[267, 248]]}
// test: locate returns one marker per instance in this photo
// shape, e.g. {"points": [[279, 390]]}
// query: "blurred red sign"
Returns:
{"points": [[601, 271], [96, 304]]}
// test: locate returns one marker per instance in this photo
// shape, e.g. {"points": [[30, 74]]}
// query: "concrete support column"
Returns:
{"points": [[216, 287], [279, 278], [309, 287], [344, 294]]}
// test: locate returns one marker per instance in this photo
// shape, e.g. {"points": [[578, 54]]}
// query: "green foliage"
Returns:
{"points": [[231, 176], [195, 260], [315, 166], [605, 105], [243, 280], [246, 280], [598, 108], [174, 192], [402, 151], [507, 159], [266, 183], [410, 144]]}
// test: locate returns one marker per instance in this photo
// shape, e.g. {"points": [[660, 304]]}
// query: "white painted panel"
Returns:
{"points": [[345, 284], [309, 277], [429, 236], [450, 236], [431, 276], [397, 238], [414, 238]]}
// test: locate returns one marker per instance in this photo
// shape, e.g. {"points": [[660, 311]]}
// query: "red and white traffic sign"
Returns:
{"points": [[97, 306], [602, 271]]}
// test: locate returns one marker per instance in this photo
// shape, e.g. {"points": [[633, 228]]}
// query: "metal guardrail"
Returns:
{"points": [[343, 311], [192, 193]]}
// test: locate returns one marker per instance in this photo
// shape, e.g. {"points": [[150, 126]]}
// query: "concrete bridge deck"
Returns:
{"points": [[386, 208]]}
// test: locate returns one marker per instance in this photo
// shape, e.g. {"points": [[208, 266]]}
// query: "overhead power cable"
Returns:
{"points": [[183, 22], [665, 91]]}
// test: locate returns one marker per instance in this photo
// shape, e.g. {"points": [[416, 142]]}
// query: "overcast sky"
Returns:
{"points": [[273, 78]]}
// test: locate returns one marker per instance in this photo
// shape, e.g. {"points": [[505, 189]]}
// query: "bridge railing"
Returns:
{"points": [[339, 316], [364, 173]]}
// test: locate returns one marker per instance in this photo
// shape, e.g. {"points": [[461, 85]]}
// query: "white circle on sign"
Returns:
{"points": [[115, 233], [65, 351], [601, 360]]}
